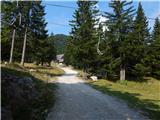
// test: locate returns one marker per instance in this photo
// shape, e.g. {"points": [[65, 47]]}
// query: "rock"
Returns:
{"points": [[94, 78], [32, 70], [26, 82], [5, 62], [17, 92], [60, 63]]}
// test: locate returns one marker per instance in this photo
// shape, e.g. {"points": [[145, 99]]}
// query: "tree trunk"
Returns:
{"points": [[24, 47], [49, 63], [84, 72], [122, 73], [12, 47], [42, 63]]}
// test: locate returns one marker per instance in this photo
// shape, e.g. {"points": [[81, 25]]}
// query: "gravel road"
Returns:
{"points": [[78, 101]]}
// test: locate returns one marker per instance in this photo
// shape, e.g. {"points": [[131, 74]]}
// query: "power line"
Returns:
{"points": [[54, 23], [60, 6], [56, 5]]}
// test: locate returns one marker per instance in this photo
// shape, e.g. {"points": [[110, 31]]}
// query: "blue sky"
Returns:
{"points": [[58, 18]]}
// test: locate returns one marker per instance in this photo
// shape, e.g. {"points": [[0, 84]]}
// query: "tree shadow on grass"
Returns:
{"points": [[148, 107], [133, 78]]}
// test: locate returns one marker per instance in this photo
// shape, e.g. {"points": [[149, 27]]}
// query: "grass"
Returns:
{"points": [[41, 72], [44, 98], [142, 95], [51, 71]]}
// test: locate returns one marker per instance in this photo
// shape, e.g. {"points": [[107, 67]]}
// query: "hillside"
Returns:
{"points": [[60, 43]]}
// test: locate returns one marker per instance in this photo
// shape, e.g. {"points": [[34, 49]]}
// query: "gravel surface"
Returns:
{"points": [[78, 101]]}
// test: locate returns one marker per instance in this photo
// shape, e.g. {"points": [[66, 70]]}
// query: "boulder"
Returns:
{"points": [[61, 64], [17, 92], [32, 70], [94, 78]]}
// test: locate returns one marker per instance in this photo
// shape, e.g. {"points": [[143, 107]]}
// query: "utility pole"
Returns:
{"points": [[12, 46], [13, 35], [24, 47]]}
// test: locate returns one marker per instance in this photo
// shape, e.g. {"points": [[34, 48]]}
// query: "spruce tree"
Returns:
{"points": [[50, 49], [139, 41], [154, 55], [30, 34], [39, 32], [9, 16], [83, 35], [6, 9], [156, 30], [119, 25], [26, 7], [69, 52]]}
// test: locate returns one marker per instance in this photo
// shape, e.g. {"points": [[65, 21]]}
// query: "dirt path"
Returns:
{"points": [[78, 101]]}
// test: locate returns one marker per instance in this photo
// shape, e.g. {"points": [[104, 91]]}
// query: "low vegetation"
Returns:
{"points": [[50, 71], [38, 101], [141, 95]]}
